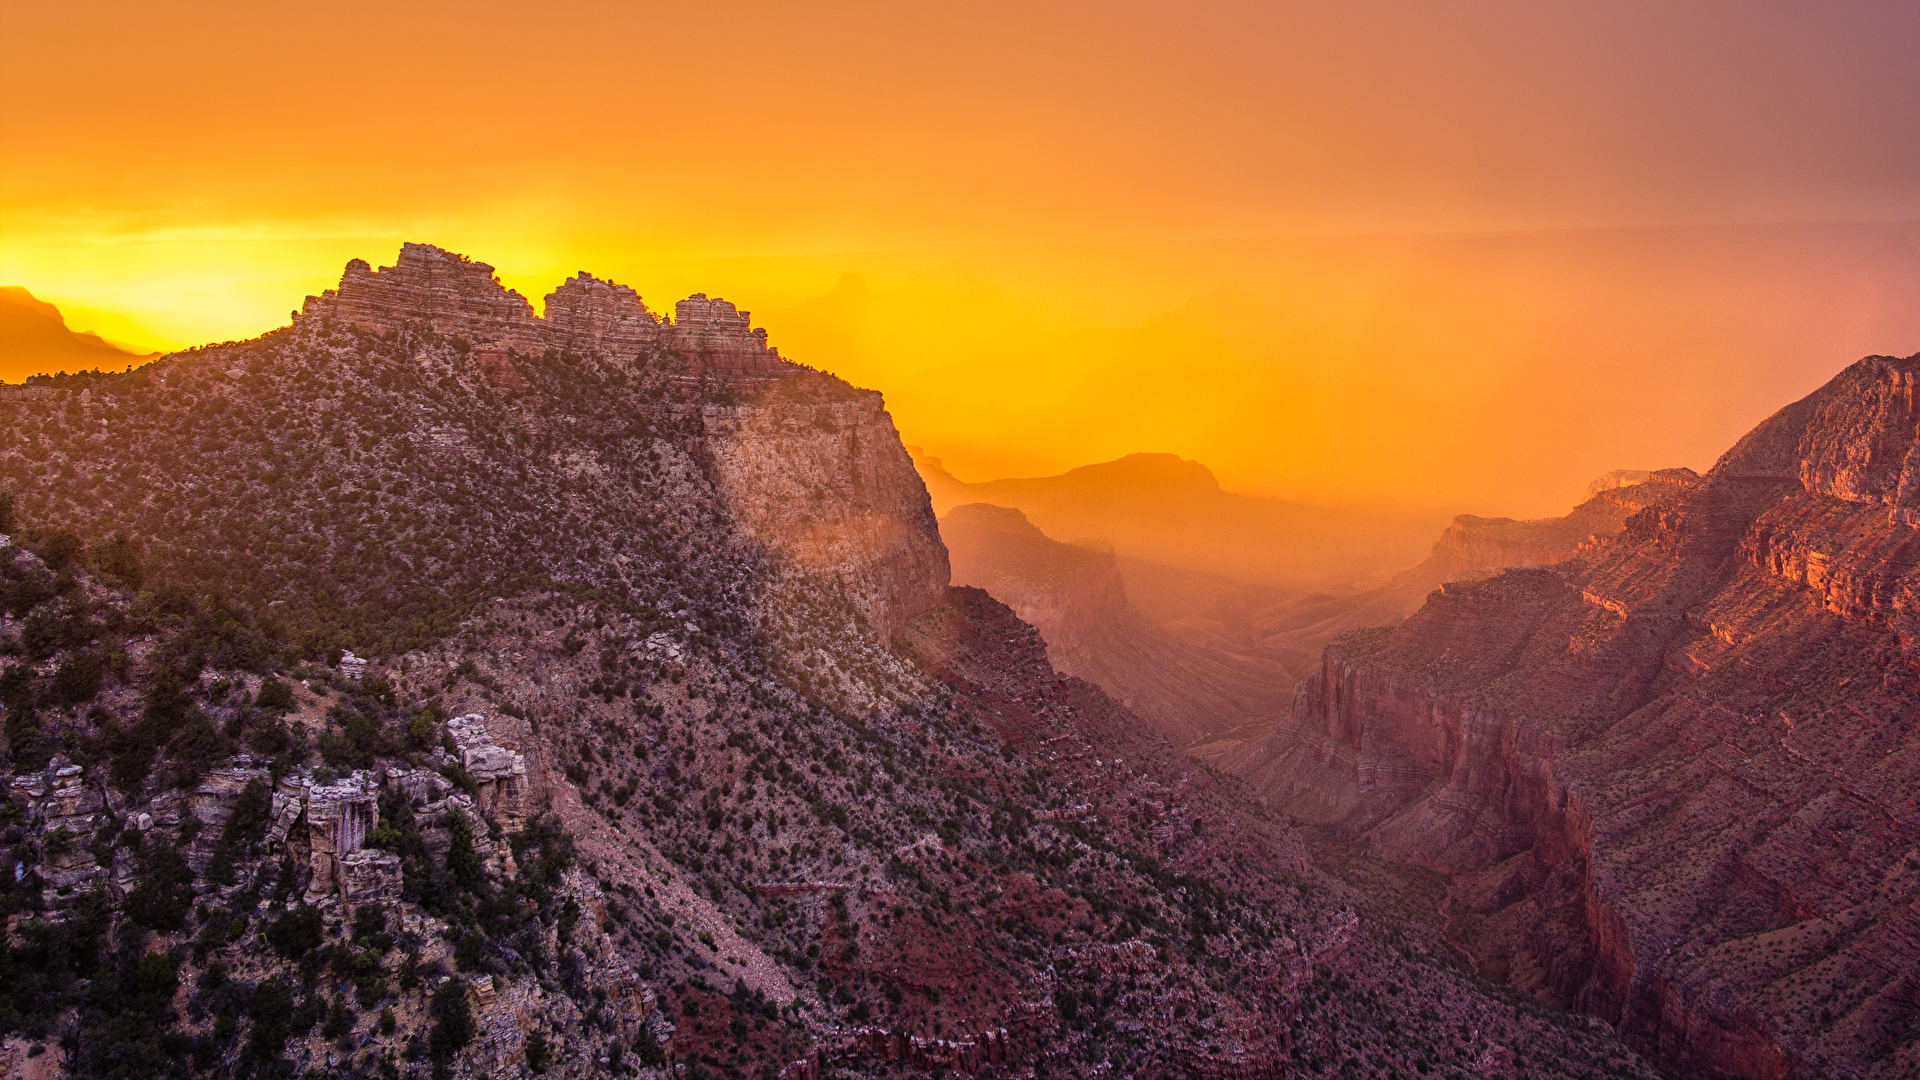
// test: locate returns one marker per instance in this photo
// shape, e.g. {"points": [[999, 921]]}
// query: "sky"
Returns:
{"points": [[1414, 252]]}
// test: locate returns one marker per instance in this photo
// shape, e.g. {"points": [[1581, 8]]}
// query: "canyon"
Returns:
{"points": [[1074, 595], [429, 687], [1212, 660], [1670, 780]]}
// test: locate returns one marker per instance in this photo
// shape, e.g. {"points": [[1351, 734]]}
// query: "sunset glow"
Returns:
{"points": [[1315, 248]]}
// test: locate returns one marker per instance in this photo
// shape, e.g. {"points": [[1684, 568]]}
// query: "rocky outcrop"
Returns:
{"points": [[586, 314], [460, 297], [723, 337], [449, 293], [68, 811], [499, 774], [1473, 545], [1680, 773], [339, 818]]}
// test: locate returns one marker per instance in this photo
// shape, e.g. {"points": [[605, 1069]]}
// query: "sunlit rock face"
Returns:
{"points": [[453, 295], [449, 293], [827, 487], [1673, 778]]}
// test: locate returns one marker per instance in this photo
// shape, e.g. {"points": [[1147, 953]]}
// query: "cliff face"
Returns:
{"points": [[1074, 595], [1472, 545], [1676, 780], [830, 490]]}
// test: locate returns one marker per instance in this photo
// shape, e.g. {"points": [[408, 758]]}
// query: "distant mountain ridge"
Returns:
{"points": [[35, 340], [1206, 656], [1172, 510]]}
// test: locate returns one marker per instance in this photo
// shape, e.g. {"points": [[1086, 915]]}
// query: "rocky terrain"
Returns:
{"points": [[1073, 594], [1670, 781], [433, 688]]}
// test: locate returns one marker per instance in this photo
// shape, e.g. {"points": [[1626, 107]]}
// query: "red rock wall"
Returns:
{"points": [[1702, 737]]}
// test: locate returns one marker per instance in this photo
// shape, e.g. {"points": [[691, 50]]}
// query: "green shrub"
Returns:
{"points": [[452, 1021], [272, 1016], [463, 862], [296, 933], [274, 694], [77, 680]]}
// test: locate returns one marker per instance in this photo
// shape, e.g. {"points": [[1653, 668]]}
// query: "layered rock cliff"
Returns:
{"points": [[1676, 779], [1473, 545]]}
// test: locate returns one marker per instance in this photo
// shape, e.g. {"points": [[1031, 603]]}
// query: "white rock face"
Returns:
{"points": [[499, 774], [339, 817]]}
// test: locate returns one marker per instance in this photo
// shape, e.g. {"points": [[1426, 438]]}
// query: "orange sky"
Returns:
{"points": [[1069, 222]]}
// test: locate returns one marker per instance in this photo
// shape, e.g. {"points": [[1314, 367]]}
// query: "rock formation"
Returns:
{"points": [[829, 490], [1675, 779], [458, 297]]}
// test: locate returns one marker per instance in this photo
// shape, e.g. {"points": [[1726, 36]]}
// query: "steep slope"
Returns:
{"points": [[1073, 594], [1675, 780], [746, 784], [34, 339]]}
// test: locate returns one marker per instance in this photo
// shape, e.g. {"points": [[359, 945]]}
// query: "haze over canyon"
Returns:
{"points": [[430, 686], [1044, 541]]}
